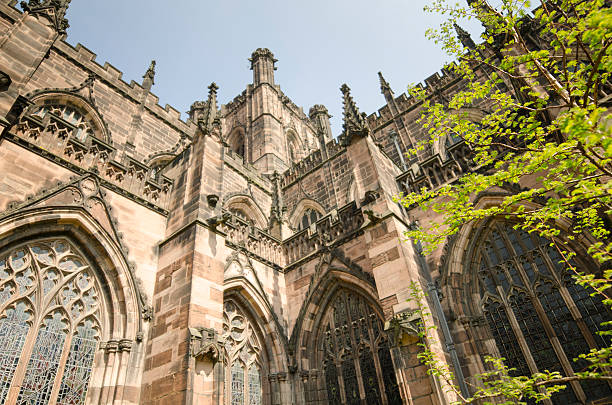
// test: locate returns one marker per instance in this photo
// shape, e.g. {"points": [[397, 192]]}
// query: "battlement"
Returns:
{"points": [[112, 77], [233, 105], [327, 231], [405, 102], [310, 163]]}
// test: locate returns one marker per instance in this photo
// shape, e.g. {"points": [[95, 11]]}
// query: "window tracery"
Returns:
{"points": [[526, 295], [356, 354], [242, 356], [70, 114], [50, 314]]}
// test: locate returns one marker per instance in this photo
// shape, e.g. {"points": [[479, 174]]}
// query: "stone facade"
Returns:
{"points": [[244, 254]]}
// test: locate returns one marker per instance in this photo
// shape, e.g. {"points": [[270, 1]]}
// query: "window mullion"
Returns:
{"points": [[552, 337], [60, 372]]}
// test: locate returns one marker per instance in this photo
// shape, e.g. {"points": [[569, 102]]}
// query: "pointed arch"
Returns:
{"points": [[295, 147], [237, 142], [515, 300], [73, 108], [247, 205], [343, 306], [305, 205], [98, 246], [249, 360], [441, 144], [70, 241]]}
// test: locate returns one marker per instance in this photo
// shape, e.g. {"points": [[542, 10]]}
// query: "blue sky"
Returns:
{"points": [[319, 44]]}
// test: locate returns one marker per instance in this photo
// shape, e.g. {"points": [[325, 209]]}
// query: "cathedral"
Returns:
{"points": [[247, 255]]}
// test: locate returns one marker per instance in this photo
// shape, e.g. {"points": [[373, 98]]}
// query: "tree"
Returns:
{"points": [[545, 100]]}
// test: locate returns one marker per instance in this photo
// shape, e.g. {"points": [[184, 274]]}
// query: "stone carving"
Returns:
{"points": [[55, 10], [204, 344], [401, 325]]}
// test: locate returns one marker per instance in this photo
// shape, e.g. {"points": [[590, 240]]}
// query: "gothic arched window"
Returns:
{"points": [[242, 356], [71, 114], [526, 295], [237, 143], [309, 217], [50, 321], [356, 359]]}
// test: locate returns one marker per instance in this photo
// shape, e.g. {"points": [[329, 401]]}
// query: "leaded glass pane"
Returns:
{"points": [[351, 387], [237, 384], [13, 331], [77, 370], [502, 331], [511, 256], [44, 361], [354, 327], [368, 376], [242, 351], [391, 387], [331, 383], [254, 386]]}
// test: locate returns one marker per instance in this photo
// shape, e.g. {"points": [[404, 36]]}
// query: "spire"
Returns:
{"points": [[149, 76], [207, 120], [464, 37], [354, 121], [385, 89], [59, 8]]}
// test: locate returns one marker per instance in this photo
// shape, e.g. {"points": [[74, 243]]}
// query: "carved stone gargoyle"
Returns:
{"points": [[217, 220], [403, 327], [204, 344]]}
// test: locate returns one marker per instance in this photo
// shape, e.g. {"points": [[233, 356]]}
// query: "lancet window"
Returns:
{"points": [[50, 323], [242, 357], [526, 295], [309, 217], [356, 359]]}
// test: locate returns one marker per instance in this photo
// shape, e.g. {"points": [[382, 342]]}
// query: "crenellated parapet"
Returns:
{"points": [[327, 232], [310, 163], [434, 172], [253, 242], [56, 139], [405, 102]]}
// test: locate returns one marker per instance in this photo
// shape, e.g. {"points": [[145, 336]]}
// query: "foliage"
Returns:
{"points": [[543, 119], [497, 385], [540, 80]]}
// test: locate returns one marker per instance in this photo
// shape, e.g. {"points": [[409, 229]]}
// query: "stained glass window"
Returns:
{"points": [[254, 386], [354, 341], [522, 282], [242, 352], [49, 324]]}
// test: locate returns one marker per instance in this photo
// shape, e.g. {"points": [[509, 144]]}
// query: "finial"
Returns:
{"points": [[464, 37], [354, 121], [384, 85], [207, 120], [149, 76], [212, 89]]}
